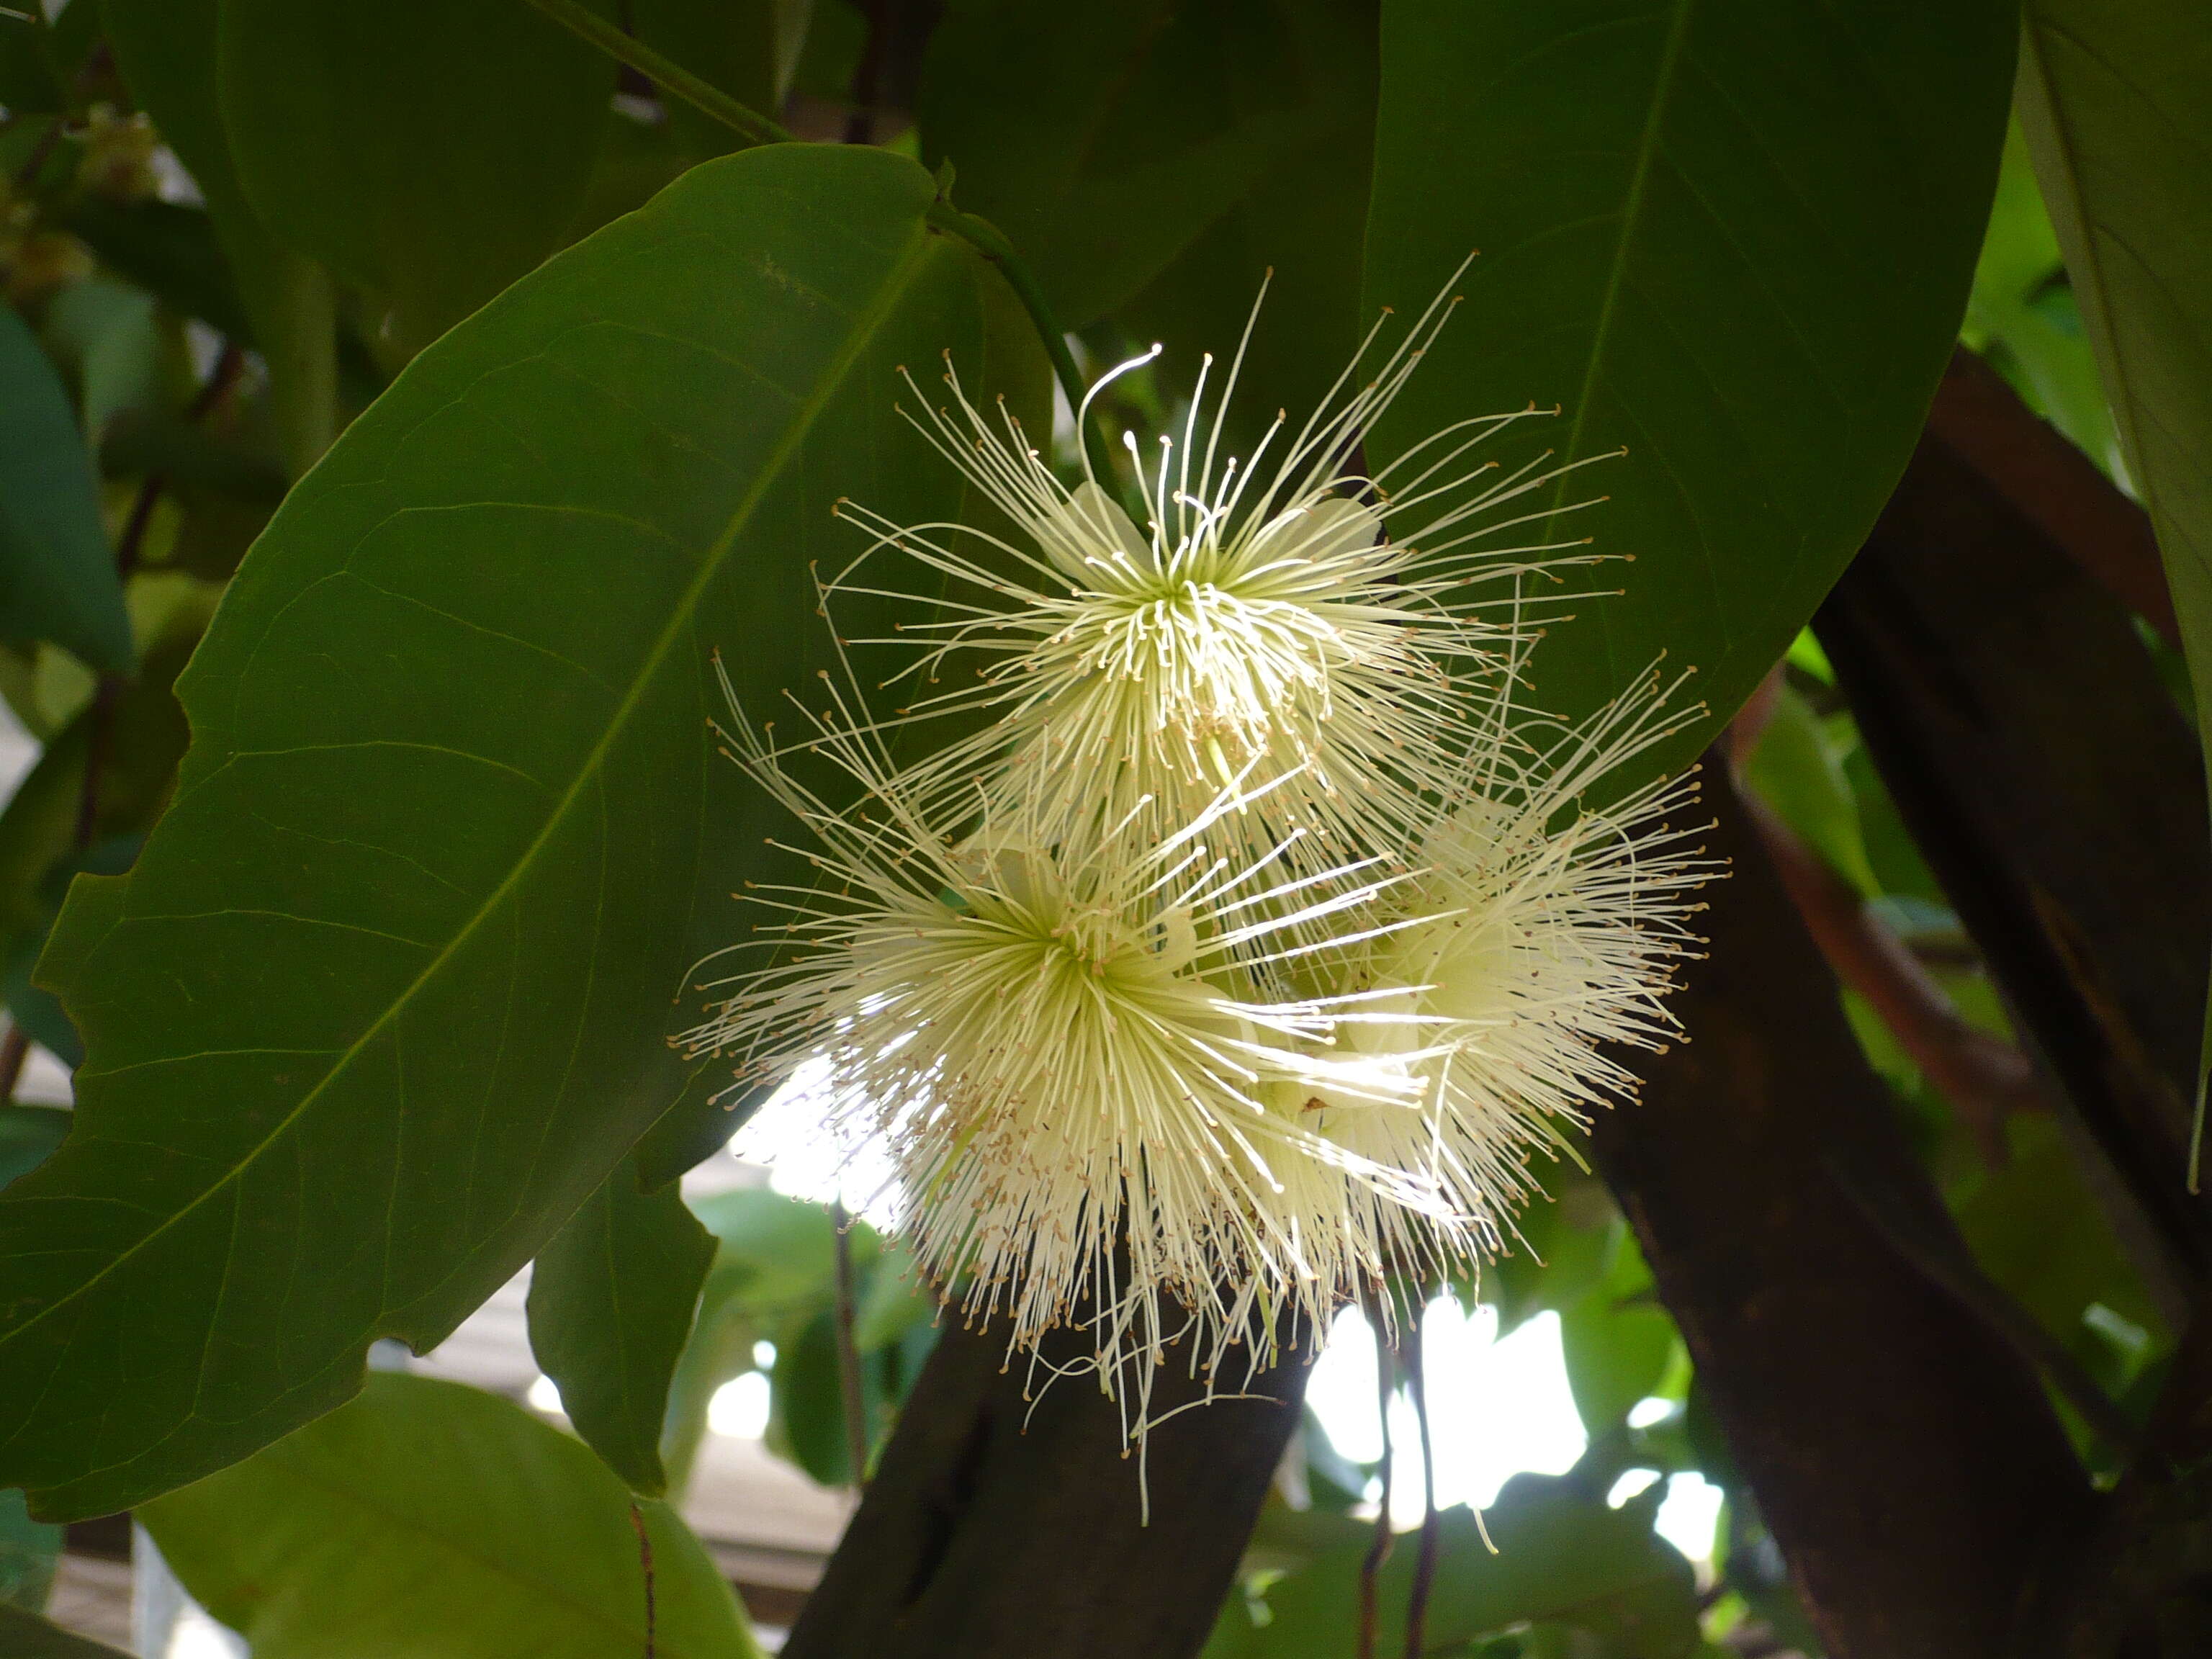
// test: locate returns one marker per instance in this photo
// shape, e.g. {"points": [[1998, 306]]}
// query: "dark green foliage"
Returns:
{"points": [[371, 140], [551, 396], [1681, 211], [611, 1301], [427, 1505], [57, 571], [426, 915], [1561, 1559]]}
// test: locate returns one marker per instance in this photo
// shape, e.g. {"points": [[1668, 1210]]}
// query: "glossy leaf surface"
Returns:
{"points": [[58, 577], [1735, 239], [373, 139], [428, 1517], [388, 993], [611, 1301], [1104, 137]]}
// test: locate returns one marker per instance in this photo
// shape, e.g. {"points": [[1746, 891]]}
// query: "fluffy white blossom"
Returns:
{"points": [[1084, 1054], [1286, 616], [1263, 934]]}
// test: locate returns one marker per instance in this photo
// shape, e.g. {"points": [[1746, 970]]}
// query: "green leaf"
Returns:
{"points": [[1617, 1341], [166, 51], [806, 1423], [389, 992], [611, 1301], [26, 1636], [774, 1267], [1796, 770], [1301, 219], [1560, 1559], [2112, 96], [2037, 1232], [28, 1550], [778, 1252], [429, 1517], [729, 44], [428, 150], [1562, 1245], [28, 1135], [105, 334], [2021, 314], [1735, 238], [1103, 136], [58, 577], [170, 250]]}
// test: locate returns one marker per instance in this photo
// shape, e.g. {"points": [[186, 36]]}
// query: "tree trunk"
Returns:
{"points": [[997, 1528], [1904, 1455], [2056, 791]]}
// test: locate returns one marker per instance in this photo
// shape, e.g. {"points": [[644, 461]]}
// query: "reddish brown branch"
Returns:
{"points": [[1985, 1079], [15, 1049], [2054, 486]]}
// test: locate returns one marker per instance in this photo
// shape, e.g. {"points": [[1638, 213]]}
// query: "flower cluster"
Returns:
{"points": [[1257, 932]]}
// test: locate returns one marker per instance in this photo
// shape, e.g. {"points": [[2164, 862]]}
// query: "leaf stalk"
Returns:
{"points": [[665, 73]]}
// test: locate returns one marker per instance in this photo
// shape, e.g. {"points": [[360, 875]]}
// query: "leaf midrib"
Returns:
{"points": [[903, 273], [395, 1521], [1632, 213]]}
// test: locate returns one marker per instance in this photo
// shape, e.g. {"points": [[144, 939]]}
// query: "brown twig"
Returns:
{"points": [[15, 1049], [848, 1350], [1425, 1563], [1986, 1078], [2055, 486], [1378, 1552], [645, 1566]]}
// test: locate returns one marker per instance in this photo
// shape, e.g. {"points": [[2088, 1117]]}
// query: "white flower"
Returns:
{"points": [[1262, 624], [1543, 932], [1251, 951], [1080, 1054]]}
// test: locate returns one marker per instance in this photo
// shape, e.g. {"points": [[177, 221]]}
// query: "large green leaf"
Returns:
{"points": [[166, 51], [1302, 220], [1103, 136], [2112, 97], [430, 150], [1560, 1560], [28, 1550], [611, 1301], [732, 44], [427, 1518], [2023, 316], [1735, 237], [57, 578], [386, 996]]}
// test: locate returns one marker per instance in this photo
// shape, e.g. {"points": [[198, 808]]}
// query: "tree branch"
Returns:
{"points": [[999, 1527], [1908, 1463], [2056, 791]]}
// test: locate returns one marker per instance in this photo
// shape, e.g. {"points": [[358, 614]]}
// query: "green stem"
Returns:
{"points": [[300, 344], [988, 240], [672, 77]]}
